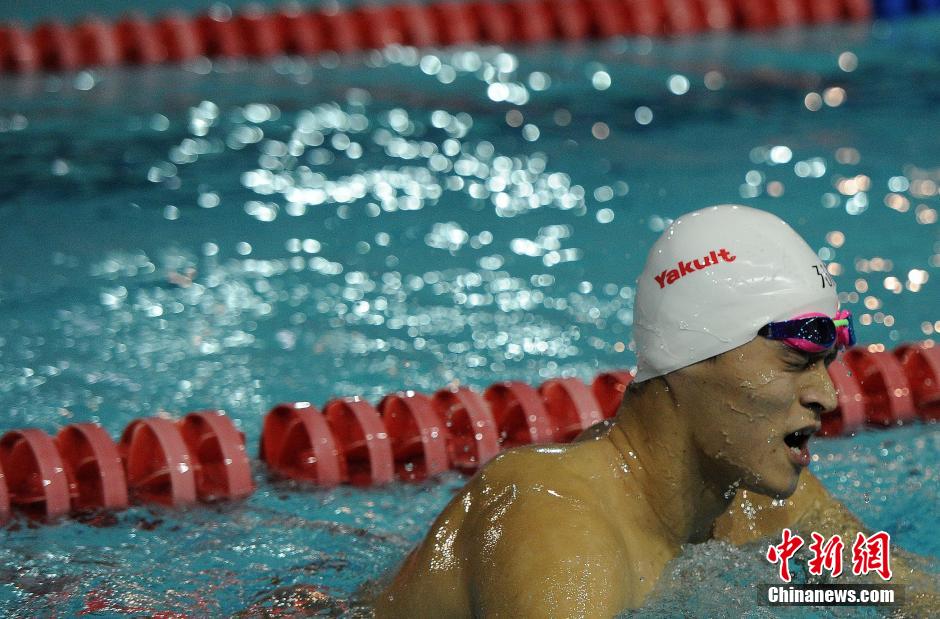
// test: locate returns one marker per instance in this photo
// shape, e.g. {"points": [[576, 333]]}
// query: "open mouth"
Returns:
{"points": [[797, 444]]}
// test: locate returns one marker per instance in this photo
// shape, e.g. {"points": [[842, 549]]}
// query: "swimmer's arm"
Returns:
{"points": [[545, 556]]}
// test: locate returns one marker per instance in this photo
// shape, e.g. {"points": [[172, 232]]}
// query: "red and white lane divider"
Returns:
{"points": [[407, 436], [258, 33], [459, 429], [175, 463], [885, 388]]}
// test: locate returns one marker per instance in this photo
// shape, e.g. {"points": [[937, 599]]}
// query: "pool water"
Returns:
{"points": [[405, 219]]}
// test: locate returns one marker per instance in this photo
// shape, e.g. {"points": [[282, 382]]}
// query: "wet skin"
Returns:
{"points": [[585, 530]]}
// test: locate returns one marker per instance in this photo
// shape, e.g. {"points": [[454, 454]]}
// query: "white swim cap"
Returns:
{"points": [[714, 278]]}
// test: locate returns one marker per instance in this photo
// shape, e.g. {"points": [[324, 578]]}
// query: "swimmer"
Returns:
{"points": [[736, 321]]}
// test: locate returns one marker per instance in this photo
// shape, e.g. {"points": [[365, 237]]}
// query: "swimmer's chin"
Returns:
{"points": [[774, 492]]}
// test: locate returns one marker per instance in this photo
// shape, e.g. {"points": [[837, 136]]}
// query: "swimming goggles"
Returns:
{"points": [[813, 332]]}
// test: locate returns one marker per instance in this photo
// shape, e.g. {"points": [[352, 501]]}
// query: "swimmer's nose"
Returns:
{"points": [[819, 394]]}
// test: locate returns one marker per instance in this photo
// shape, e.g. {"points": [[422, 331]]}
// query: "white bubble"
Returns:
{"points": [[780, 154], [848, 61], [530, 132], [497, 92], [857, 204], [430, 65], [209, 199], [604, 193], [60, 167], [918, 276], [84, 81], [658, 224], [539, 81], [601, 80], [159, 122], [505, 62], [830, 200], [898, 183], [447, 74], [714, 80], [678, 84]]}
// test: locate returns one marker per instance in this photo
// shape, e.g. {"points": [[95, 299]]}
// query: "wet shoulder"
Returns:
{"points": [[537, 530], [578, 472]]}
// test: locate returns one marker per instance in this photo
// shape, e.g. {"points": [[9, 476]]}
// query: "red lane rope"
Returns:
{"points": [[256, 33], [94, 467], [407, 436], [363, 441], [419, 438]]}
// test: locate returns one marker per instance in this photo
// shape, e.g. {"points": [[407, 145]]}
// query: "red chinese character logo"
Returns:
{"points": [[782, 553], [872, 554], [826, 556]]}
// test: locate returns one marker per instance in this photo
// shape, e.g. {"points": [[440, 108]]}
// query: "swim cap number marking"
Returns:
{"points": [[824, 275]]}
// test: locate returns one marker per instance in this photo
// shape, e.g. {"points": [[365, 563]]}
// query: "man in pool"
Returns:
{"points": [[736, 321]]}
